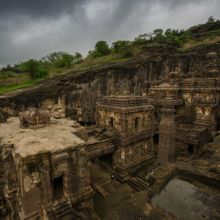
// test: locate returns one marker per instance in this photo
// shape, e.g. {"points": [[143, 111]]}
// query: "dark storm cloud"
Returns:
{"points": [[37, 7], [32, 29]]}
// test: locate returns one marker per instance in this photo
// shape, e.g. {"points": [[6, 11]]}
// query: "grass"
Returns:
{"points": [[88, 63], [21, 81], [7, 74], [91, 63], [13, 87], [202, 42]]}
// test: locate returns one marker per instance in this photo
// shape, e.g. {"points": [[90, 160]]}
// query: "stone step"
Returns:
{"points": [[135, 185], [61, 207], [62, 210], [101, 190], [104, 182], [142, 179], [140, 174], [67, 213], [141, 182], [138, 184], [138, 179]]}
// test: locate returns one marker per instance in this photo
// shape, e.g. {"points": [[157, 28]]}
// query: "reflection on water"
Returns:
{"points": [[187, 202]]}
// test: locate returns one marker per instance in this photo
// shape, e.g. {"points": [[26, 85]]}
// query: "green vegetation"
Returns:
{"points": [[61, 59], [169, 37], [35, 68], [12, 87], [32, 71], [6, 74], [211, 20], [101, 49]]}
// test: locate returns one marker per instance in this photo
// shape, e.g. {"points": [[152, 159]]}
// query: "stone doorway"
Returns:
{"points": [[58, 188], [137, 123], [190, 149], [111, 122], [107, 160], [156, 139]]}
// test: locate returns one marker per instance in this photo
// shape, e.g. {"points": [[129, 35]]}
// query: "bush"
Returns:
{"points": [[6, 74], [158, 36], [35, 68], [210, 20], [170, 37], [141, 39], [120, 46], [128, 53], [59, 59], [42, 72], [77, 58], [101, 49]]}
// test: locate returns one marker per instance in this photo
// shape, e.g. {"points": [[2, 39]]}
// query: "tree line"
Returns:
{"points": [[58, 60]]}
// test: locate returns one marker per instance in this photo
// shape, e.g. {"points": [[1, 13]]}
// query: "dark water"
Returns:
{"points": [[188, 202]]}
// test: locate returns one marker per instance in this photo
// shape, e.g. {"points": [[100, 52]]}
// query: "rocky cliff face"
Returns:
{"points": [[76, 93]]}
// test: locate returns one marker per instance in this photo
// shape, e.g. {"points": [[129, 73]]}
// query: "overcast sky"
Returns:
{"points": [[35, 28]]}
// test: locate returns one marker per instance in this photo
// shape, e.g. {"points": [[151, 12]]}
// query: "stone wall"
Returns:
{"points": [[133, 154], [79, 92], [29, 182]]}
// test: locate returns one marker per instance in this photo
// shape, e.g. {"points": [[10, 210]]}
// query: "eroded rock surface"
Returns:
{"points": [[34, 117]]}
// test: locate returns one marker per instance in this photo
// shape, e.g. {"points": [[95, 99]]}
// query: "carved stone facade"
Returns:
{"points": [[196, 117], [132, 117], [45, 175], [46, 167]]}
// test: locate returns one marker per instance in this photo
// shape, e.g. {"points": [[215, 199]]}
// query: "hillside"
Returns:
{"points": [[33, 72]]}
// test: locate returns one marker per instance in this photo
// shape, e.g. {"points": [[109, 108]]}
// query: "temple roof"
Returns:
{"points": [[124, 101], [31, 141]]}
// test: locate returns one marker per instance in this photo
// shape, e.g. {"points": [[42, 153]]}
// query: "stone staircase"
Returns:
{"points": [[63, 211], [138, 180], [99, 187]]}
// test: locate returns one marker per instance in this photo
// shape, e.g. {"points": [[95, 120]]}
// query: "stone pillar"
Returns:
{"points": [[47, 185], [83, 176], [166, 150], [167, 138], [47, 188]]}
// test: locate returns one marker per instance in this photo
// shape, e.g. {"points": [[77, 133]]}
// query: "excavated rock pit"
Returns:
{"points": [[189, 200]]}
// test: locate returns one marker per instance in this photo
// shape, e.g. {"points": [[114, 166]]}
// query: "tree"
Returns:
{"points": [[142, 39], [77, 58], [176, 37], [101, 49], [53, 57], [211, 19], [172, 37], [158, 32], [65, 61], [32, 67], [158, 36], [35, 69], [60, 59], [120, 46]]}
